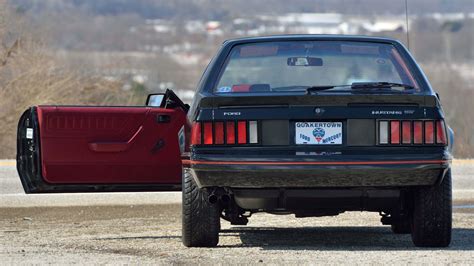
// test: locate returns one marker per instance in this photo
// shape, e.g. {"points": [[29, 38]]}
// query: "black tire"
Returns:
{"points": [[432, 215], [402, 227], [201, 220]]}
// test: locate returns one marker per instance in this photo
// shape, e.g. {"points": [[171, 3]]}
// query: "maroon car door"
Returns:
{"points": [[88, 149]]}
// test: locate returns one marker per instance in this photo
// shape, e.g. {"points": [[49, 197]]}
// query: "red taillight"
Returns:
{"points": [[440, 132], [418, 132], [429, 132], [196, 133], [225, 132], [208, 133], [406, 132], [219, 133], [242, 132], [395, 132], [230, 131]]}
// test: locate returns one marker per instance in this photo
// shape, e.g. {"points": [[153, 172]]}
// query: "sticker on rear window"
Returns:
{"points": [[29, 133], [258, 50], [224, 89], [359, 49]]}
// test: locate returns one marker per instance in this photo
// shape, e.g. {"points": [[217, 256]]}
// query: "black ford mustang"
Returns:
{"points": [[306, 125]]}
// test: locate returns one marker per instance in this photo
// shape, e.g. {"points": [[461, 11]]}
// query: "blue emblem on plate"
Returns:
{"points": [[318, 133], [224, 89]]}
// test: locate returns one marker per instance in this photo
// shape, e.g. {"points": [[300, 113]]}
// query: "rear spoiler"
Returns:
{"points": [[318, 100]]}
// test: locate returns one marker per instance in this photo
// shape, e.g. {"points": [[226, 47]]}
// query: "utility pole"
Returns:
{"points": [[407, 24]]}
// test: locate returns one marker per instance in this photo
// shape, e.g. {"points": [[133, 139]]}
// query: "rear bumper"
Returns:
{"points": [[311, 173]]}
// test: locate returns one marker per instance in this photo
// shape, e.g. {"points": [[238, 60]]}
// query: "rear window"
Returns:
{"points": [[297, 65]]}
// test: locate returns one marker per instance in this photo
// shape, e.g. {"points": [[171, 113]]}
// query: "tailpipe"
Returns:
{"points": [[212, 198], [225, 198]]}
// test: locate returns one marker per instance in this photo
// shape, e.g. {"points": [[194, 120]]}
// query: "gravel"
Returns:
{"points": [[149, 234], [132, 228]]}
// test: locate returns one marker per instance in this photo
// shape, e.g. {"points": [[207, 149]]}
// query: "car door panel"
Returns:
{"points": [[76, 148]]}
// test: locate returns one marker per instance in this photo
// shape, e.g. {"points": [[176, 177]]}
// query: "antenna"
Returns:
{"points": [[406, 21]]}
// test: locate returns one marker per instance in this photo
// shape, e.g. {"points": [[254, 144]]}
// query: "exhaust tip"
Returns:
{"points": [[225, 198], [212, 199]]}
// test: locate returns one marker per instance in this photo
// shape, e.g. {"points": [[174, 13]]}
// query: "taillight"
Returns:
{"points": [[196, 133], [417, 132], [395, 132], [253, 132], [440, 132], [429, 132], [408, 132], [208, 139], [383, 132], [225, 133], [242, 132], [230, 132], [219, 133]]}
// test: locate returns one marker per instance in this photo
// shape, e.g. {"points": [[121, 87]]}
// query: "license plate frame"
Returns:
{"points": [[318, 133]]}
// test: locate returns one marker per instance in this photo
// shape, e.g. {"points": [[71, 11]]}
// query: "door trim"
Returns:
{"points": [[29, 167]]}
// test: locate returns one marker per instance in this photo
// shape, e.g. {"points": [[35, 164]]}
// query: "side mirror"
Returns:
{"points": [[155, 99]]}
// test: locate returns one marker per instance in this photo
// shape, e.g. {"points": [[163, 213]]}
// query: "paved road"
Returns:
{"points": [[12, 194]]}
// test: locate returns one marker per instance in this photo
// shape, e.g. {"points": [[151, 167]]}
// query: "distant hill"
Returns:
{"points": [[225, 9]]}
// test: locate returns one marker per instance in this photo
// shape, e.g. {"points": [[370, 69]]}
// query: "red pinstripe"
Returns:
{"points": [[188, 162]]}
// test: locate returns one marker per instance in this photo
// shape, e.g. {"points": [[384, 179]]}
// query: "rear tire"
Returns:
{"points": [[432, 215], [201, 219]]}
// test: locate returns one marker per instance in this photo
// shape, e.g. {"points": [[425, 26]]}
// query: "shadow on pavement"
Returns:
{"points": [[338, 238], [137, 237]]}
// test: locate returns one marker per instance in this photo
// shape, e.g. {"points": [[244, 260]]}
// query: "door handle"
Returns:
{"points": [[163, 118]]}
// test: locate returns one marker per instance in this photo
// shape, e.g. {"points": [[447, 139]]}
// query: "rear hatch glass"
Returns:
{"points": [[295, 66]]}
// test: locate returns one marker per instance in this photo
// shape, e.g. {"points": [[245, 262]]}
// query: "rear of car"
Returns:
{"points": [[304, 125], [315, 126]]}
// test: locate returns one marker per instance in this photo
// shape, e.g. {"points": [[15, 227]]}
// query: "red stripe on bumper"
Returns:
{"points": [[188, 162]]}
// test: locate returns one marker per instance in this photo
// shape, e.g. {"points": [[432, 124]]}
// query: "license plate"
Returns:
{"points": [[318, 133]]}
